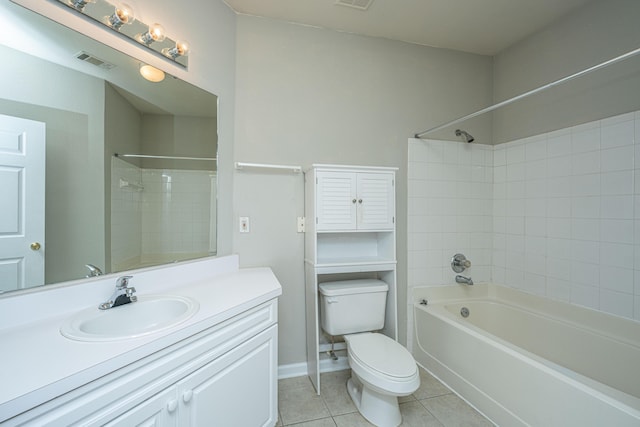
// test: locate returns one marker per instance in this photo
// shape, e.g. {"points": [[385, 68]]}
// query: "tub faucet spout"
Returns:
{"points": [[463, 279]]}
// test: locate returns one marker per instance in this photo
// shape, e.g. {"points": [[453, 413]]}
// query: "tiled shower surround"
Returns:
{"points": [[556, 214], [163, 215]]}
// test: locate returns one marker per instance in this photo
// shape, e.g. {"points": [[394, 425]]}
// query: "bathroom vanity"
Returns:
{"points": [[202, 371]]}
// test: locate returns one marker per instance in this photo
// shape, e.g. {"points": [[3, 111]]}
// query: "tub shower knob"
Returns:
{"points": [[460, 263]]}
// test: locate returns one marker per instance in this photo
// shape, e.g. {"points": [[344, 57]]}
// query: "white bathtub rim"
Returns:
{"points": [[622, 401], [499, 293]]}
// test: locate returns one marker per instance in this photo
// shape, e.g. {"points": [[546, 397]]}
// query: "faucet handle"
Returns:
{"points": [[460, 263], [123, 282]]}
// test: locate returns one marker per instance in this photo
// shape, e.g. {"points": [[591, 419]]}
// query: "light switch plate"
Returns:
{"points": [[244, 224]]}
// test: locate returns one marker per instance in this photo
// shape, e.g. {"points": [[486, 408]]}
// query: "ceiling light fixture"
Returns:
{"points": [[151, 73]]}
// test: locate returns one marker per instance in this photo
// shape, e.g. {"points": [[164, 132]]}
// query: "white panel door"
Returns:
{"points": [[376, 201], [336, 201], [22, 186]]}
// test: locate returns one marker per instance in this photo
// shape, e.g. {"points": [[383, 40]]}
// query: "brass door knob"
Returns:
{"points": [[35, 246]]}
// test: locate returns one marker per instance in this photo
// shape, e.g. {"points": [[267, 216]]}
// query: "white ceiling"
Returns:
{"points": [[479, 26]]}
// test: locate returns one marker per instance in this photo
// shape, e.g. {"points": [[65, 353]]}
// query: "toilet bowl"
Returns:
{"points": [[381, 370]]}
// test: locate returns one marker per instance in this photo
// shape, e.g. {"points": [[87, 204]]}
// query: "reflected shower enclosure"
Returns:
{"points": [[160, 215]]}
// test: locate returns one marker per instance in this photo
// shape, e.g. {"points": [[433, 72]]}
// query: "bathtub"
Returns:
{"points": [[526, 360]]}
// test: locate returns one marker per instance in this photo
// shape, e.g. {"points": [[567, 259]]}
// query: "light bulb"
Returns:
{"points": [[122, 15], [155, 34], [180, 49]]}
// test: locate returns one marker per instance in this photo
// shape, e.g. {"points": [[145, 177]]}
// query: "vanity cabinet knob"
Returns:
{"points": [[360, 201], [186, 397], [172, 405], [353, 201], [35, 246]]}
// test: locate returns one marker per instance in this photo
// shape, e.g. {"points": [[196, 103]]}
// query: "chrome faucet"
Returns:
{"points": [[93, 271], [463, 279], [122, 295]]}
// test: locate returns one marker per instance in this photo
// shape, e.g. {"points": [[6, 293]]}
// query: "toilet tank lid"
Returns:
{"points": [[350, 287]]}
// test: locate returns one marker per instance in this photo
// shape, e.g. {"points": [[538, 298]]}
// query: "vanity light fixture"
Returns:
{"points": [[151, 73], [122, 15], [79, 4], [180, 49], [154, 34]]}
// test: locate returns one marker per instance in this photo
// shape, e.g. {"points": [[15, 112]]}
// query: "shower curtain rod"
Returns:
{"points": [[147, 156], [531, 92]]}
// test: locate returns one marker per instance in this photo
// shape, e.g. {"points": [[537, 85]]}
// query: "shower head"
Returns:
{"points": [[465, 135]]}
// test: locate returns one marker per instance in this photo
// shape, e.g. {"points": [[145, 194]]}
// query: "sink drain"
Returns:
{"points": [[464, 312]]}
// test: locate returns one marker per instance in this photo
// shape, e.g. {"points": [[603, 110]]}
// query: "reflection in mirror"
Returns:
{"points": [[113, 213]]}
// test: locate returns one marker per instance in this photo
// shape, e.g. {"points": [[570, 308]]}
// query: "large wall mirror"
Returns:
{"points": [[124, 174]]}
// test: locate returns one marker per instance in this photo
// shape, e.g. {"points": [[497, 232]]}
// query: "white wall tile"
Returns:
{"points": [[617, 183], [617, 231], [585, 163], [587, 296], [617, 207], [585, 207], [559, 143], [585, 138], [554, 214], [585, 185], [617, 134], [536, 150], [558, 166], [616, 279], [616, 303], [615, 159], [515, 153]]}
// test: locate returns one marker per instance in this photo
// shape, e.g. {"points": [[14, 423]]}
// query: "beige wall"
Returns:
{"points": [[600, 31], [307, 95]]}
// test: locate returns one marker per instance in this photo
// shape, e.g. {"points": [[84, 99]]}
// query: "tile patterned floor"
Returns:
{"points": [[433, 404]]}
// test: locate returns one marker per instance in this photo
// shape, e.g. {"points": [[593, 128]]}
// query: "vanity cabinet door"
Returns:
{"points": [[238, 389], [158, 411]]}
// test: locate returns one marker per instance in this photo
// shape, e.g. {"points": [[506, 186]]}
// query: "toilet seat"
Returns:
{"points": [[383, 363]]}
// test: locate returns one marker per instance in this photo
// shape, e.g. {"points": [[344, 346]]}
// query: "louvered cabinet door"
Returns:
{"points": [[336, 201], [376, 201]]}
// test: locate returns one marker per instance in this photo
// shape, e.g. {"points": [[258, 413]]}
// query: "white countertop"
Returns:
{"points": [[38, 363]]}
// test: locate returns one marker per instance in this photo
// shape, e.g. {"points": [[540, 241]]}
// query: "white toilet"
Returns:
{"points": [[381, 368]]}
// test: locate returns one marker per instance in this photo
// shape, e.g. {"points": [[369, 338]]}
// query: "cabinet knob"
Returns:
{"points": [[35, 246], [186, 397], [172, 405], [353, 201], [360, 201]]}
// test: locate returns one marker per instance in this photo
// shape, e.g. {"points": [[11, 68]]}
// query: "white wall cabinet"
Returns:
{"points": [[210, 379], [350, 234], [355, 200]]}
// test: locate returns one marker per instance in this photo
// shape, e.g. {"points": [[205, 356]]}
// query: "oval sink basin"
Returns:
{"points": [[148, 315]]}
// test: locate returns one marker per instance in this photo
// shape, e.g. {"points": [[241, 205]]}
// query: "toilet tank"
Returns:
{"points": [[351, 306]]}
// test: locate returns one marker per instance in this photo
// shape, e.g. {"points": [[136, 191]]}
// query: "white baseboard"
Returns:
{"points": [[292, 370], [300, 369]]}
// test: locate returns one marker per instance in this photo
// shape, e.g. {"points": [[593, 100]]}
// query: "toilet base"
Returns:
{"points": [[379, 409]]}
